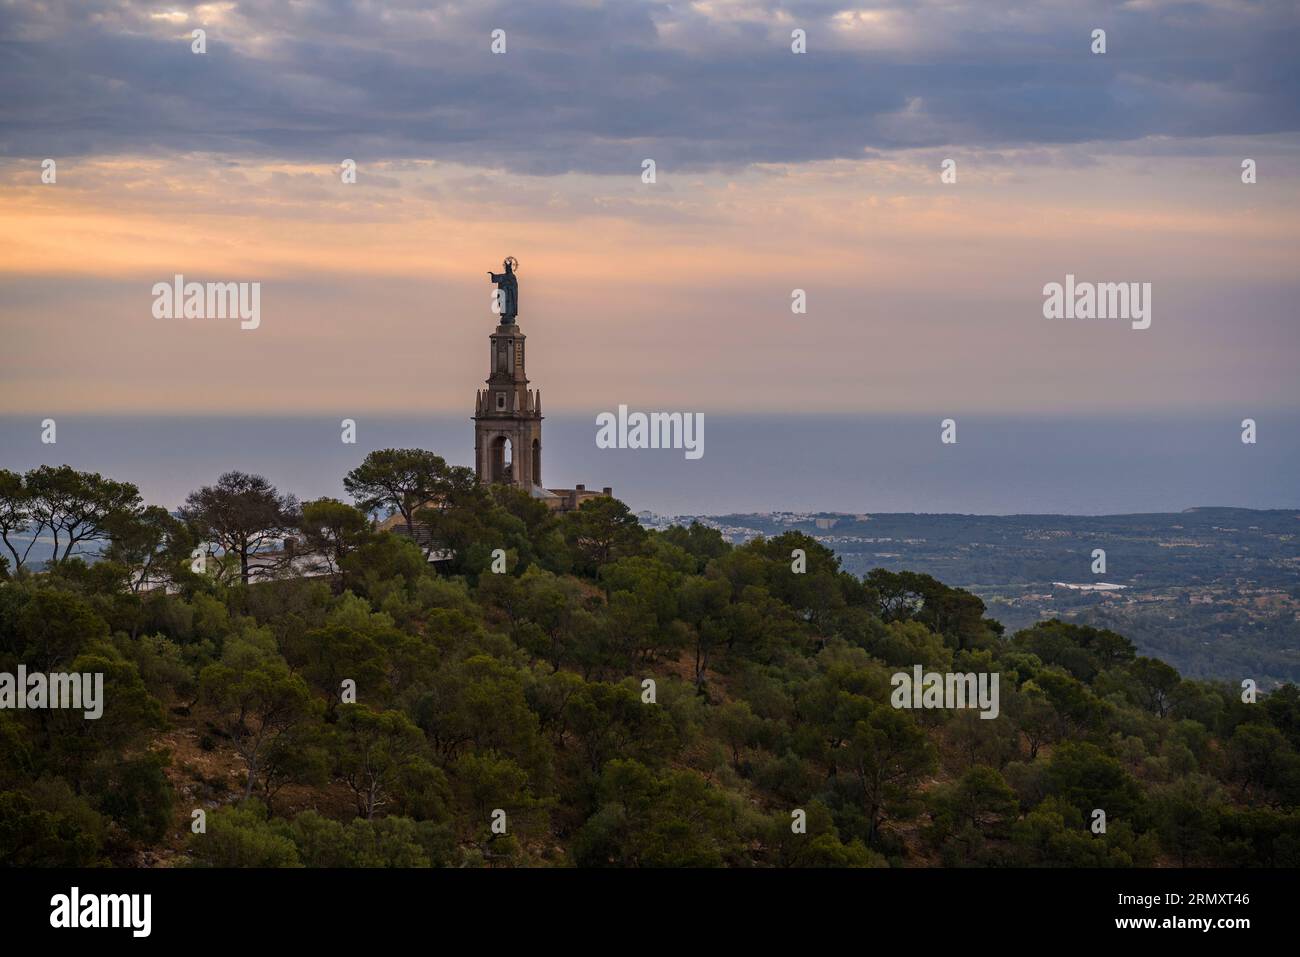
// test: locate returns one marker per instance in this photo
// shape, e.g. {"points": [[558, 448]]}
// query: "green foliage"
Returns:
{"points": [[137, 795], [71, 508], [1054, 834], [242, 837], [258, 701], [615, 697], [818, 845], [241, 513], [49, 826], [1080, 650], [600, 531], [1085, 777], [382, 756], [670, 819], [332, 530], [955, 614]]}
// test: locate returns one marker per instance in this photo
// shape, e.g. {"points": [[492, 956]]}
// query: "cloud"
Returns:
{"points": [[596, 87]]}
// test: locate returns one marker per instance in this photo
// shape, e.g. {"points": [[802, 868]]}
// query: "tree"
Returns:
{"points": [[258, 704], [1054, 835], [1282, 705], [1077, 709], [609, 721], [383, 842], [1258, 756], [385, 564], [47, 628], [820, 844], [241, 513], [1081, 650], [460, 511], [151, 542], [1186, 816], [477, 704], [541, 526], [74, 507], [979, 742], [326, 656], [1034, 716], [547, 614], [486, 782], [378, 755], [1086, 777], [642, 609], [895, 596], [402, 479], [819, 592], [699, 541], [952, 612], [137, 794], [298, 756], [671, 819], [15, 516], [704, 602], [603, 529], [887, 753], [242, 837], [1156, 682], [981, 799], [738, 727], [333, 530], [50, 827]]}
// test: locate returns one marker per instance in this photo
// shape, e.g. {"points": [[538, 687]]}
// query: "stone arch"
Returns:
{"points": [[500, 459]]}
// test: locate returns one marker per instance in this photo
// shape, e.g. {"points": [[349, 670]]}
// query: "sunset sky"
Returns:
{"points": [[775, 171]]}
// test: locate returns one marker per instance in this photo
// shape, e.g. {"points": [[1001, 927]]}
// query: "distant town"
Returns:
{"points": [[1214, 591]]}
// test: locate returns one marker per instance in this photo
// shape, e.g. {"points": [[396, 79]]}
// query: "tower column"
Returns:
{"points": [[507, 416]]}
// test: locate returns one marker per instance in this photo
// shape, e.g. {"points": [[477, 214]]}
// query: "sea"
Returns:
{"points": [[853, 463]]}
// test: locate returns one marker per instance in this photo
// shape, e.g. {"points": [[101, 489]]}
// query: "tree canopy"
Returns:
{"points": [[602, 696]]}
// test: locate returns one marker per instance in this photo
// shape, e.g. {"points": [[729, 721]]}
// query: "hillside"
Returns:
{"points": [[608, 696], [1213, 591]]}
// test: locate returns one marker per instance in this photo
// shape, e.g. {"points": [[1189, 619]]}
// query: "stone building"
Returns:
{"points": [[508, 425]]}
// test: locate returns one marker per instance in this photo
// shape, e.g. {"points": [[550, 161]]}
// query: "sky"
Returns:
{"points": [[774, 171]]}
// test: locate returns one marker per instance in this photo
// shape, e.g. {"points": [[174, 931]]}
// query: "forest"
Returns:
{"points": [[489, 683], [1215, 592]]}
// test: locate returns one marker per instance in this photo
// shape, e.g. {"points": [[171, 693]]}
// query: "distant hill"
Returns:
{"points": [[1215, 591]]}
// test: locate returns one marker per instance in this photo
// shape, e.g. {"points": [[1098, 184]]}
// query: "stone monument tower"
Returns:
{"points": [[507, 414]]}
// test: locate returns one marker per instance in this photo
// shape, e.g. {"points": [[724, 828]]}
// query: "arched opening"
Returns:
{"points": [[502, 464], [537, 462]]}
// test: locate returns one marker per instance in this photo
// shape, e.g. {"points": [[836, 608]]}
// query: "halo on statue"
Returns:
{"points": [[513, 263]]}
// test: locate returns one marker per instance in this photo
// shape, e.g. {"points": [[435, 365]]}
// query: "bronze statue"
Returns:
{"points": [[509, 289]]}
